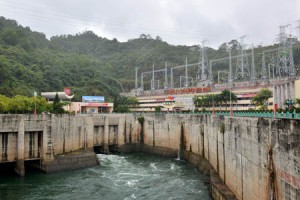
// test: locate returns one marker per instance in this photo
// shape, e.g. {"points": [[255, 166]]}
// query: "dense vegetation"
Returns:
{"points": [[85, 62], [261, 99], [211, 100], [27, 105]]}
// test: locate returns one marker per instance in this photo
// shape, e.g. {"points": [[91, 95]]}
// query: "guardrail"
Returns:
{"points": [[286, 115]]}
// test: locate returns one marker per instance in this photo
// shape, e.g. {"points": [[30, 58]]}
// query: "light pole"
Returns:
{"points": [[213, 101], [230, 80], [231, 111], [213, 96]]}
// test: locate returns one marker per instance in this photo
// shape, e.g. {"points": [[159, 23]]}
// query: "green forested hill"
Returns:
{"points": [[85, 62]]}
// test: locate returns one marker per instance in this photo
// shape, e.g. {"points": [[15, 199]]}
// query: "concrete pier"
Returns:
{"points": [[105, 142], [20, 169]]}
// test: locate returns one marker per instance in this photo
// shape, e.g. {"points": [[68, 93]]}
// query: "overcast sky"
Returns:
{"points": [[178, 22]]}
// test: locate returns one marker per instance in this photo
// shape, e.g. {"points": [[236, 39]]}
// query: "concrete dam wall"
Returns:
{"points": [[247, 158]]}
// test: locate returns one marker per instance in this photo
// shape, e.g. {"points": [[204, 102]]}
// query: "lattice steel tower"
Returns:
{"points": [[285, 62], [298, 28], [203, 70], [242, 67]]}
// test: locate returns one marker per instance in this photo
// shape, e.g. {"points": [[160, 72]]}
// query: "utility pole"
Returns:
{"points": [[166, 76], [171, 81], [153, 84], [230, 69], [264, 68], [211, 77], [231, 111], [242, 54], [136, 78], [186, 74], [142, 81]]}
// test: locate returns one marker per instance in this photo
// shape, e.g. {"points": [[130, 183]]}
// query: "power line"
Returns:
{"points": [[119, 26]]}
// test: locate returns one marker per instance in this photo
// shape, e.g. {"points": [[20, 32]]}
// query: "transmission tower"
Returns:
{"points": [[264, 72], [285, 65], [253, 70], [242, 68], [203, 70], [273, 65], [298, 28], [230, 81]]}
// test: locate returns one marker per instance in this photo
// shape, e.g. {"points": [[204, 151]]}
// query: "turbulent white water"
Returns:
{"points": [[134, 176]]}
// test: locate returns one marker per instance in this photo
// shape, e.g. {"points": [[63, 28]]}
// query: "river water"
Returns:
{"points": [[127, 177]]}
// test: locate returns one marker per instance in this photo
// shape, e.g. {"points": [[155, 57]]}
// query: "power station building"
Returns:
{"points": [[89, 104], [173, 88]]}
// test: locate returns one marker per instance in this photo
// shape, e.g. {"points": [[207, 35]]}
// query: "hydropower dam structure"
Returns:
{"points": [[245, 157]]}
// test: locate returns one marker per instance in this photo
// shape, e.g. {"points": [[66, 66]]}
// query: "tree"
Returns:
{"points": [[4, 102], [57, 106], [122, 104], [233, 44], [157, 109], [261, 99], [132, 101], [158, 38], [226, 96], [208, 100], [223, 46], [297, 100], [200, 101], [10, 37], [21, 104]]}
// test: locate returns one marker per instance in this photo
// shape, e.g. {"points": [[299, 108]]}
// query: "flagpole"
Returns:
{"points": [[34, 94], [35, 105]]}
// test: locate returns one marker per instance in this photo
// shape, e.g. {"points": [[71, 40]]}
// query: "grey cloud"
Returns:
{"points": [[176, 21]]}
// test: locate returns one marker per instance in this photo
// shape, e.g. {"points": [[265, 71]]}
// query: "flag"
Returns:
{"points": [[67, 91]]}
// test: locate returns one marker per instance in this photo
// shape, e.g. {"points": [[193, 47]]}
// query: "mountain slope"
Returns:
{"points": [[87, 63]]}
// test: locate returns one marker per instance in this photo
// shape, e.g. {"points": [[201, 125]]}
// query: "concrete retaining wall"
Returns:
{"points": [[255, 158], [75, 160]]}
